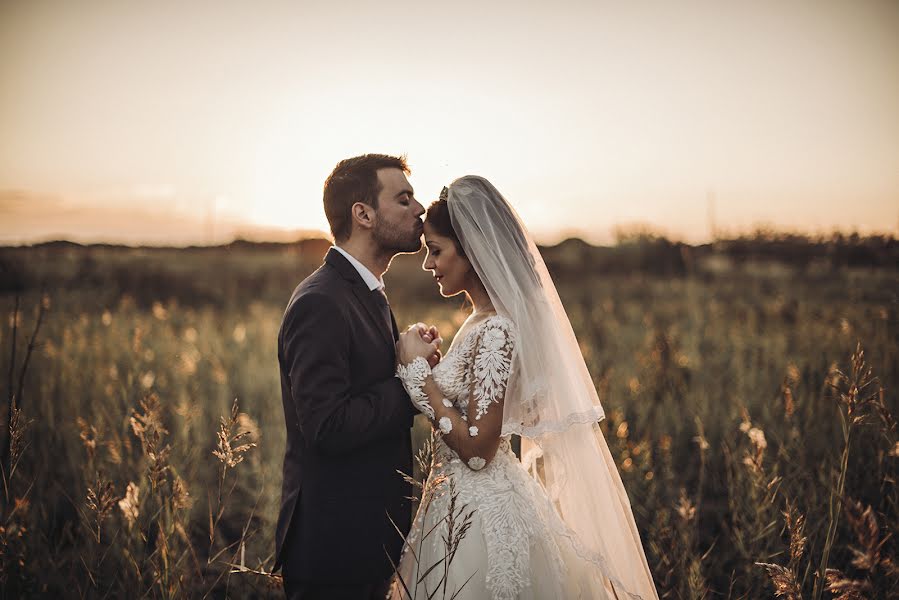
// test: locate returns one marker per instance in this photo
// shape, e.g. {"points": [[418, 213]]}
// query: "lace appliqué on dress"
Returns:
{"points": [[493, 363], [512, 517], [413, 377]]}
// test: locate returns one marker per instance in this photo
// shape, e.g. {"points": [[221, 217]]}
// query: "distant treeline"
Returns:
{"points": [[244, 271], [656, 255]]}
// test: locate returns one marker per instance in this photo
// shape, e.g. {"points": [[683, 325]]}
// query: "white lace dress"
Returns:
{"points": [[513, 548]]}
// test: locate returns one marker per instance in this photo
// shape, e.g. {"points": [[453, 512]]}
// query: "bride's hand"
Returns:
{"points": [[419, 340], [430, 334]]}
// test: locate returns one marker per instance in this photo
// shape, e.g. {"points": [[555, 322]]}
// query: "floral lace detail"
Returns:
{"points": [[507, 500], [493, 363], [446, 425], [413, 377]]}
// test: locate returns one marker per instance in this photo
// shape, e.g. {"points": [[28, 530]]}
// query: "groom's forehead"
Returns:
{"points": [[394, 181]]}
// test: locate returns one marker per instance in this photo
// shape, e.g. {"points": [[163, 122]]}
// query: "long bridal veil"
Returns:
{"points": [[551, 401]]}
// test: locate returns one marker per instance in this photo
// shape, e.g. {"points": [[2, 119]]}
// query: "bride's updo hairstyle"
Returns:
{"points": [[438, 217]]}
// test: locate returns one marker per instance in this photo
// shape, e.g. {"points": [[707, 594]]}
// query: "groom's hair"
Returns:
{"points": [[355, 180]]}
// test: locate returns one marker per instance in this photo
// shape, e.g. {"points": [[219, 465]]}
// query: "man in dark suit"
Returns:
{"points": [[347, 416]]}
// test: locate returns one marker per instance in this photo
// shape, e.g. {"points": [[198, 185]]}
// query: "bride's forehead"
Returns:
{"points": [[432, 238]]}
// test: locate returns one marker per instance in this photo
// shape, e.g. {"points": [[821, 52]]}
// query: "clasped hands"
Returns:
{"points": [[419, 340]]}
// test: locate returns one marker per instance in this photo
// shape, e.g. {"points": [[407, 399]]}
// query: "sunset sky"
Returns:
{"points": [[176, 122]]}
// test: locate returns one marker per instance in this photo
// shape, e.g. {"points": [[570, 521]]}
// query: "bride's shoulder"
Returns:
{"points": [[499, 323]]}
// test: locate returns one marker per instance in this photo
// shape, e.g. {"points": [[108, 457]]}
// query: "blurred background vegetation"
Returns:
{"points": [[741, 412]]}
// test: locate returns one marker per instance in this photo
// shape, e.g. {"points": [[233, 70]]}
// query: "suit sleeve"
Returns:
{"points": [[333, 420]]}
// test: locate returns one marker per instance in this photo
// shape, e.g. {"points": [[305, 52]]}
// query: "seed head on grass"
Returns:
{"points": [[226, 451], [180, 496], [685, 507], [843, 588], [89, 437], [101, 499], [859, 391], [784, 580], [130, 504], [148, 428], [18, 425]]}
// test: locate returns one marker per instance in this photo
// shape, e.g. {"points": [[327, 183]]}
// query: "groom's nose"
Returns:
{"points": [[419, 209]]}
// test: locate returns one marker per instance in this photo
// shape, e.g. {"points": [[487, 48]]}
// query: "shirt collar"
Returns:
{"points": [[373, 283]]}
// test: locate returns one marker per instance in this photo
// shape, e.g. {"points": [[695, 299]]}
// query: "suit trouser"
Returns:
{"points": [[304, 590]]}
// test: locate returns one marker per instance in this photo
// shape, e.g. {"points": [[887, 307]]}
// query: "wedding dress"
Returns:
{"points": [[558, 523], [510, 550]]}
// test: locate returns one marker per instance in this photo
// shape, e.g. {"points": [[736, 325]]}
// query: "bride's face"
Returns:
{"points": [[451, 270]]}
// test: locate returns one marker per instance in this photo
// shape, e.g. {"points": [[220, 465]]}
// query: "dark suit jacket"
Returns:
{"points": [[348, 421]]}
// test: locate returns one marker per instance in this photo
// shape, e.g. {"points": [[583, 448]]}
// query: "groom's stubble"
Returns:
{"points": [[392, 239], [398, 228]]}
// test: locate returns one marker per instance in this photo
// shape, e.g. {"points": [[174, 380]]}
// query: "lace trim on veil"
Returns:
{"points": [[594, 415]]}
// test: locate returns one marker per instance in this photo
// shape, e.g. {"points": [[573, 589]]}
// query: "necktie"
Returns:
{"points": [[384, 307]]}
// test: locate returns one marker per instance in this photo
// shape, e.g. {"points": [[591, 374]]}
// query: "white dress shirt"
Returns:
{"points": [[373, 283]]}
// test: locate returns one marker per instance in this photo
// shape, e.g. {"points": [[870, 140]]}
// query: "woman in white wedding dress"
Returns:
{"points": [[558, 523]]}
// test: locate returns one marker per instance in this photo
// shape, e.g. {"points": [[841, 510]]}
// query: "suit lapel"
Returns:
{"points": [[365, 297], [363, 294]]}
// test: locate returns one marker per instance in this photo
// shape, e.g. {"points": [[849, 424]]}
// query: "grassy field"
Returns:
{"points": [[746, 428]]}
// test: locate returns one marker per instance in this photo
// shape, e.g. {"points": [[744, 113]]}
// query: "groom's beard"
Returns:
{"points": [[393, 240]]}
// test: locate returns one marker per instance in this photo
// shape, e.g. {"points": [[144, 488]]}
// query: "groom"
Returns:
{"points": [[347, 416]]}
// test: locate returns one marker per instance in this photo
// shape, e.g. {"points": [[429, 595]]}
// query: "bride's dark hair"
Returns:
{"points": [[438, 217]]}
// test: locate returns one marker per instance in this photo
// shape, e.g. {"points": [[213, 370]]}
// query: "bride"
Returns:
{"points": [[558, 523]]}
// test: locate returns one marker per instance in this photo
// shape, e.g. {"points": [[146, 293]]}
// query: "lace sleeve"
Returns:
{"points": [[492, 365], [413, 377]]}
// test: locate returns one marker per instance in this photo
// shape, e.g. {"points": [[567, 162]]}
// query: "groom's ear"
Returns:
{"points": [[363, 215]]}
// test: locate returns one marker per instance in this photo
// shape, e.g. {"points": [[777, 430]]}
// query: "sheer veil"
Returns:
{"points": [[551, 401]]}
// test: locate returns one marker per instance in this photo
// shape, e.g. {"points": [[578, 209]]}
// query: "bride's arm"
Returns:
{"points": [[475, 442], [477, 439]]}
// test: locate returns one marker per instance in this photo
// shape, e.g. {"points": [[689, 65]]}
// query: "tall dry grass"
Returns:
{"points": [[756, 441]]}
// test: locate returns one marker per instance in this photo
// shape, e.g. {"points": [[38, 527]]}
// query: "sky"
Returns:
{"points": [[172, 122]]}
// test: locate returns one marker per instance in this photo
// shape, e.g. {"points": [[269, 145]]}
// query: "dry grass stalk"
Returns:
{"points": [[798, 540], [149, 429], [843, 588], [859, 396], [101, 499], [89, 437], [130, 504], [226, 451], [786, 579], [867, 556], [456, 523], [230, 456], [18, 425]]}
